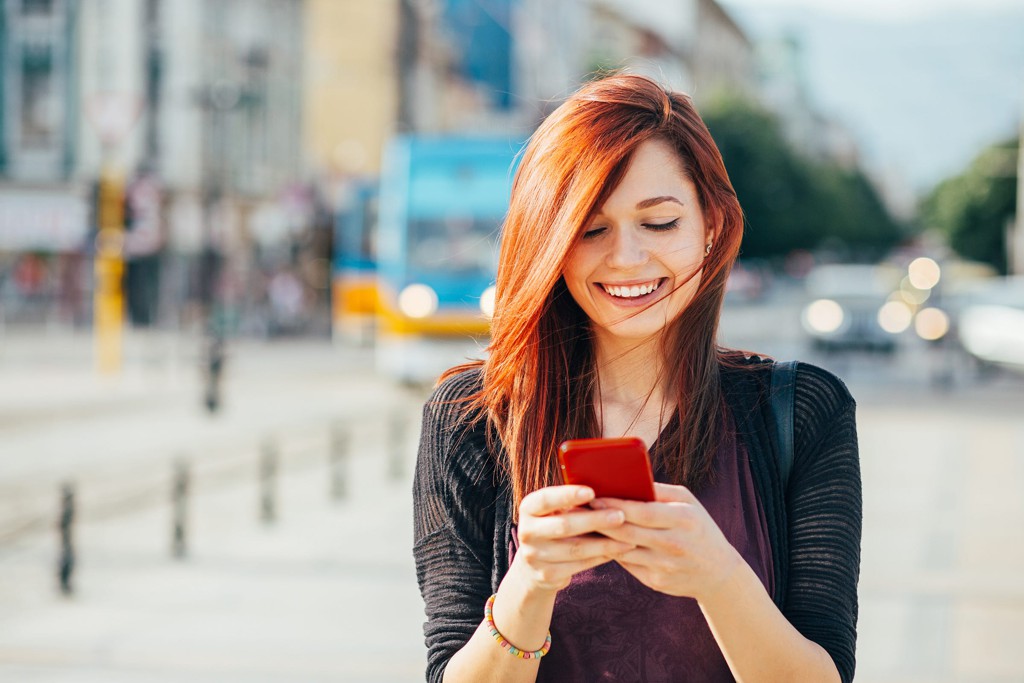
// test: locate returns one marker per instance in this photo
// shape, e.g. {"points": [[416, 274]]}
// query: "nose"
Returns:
{"points": [[627, 250]]}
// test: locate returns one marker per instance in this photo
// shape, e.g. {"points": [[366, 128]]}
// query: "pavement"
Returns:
{"points": [[326, 591]]}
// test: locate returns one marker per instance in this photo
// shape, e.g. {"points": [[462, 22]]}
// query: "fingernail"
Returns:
{"points": [[616, 517], [584, 494], [599, 505]]}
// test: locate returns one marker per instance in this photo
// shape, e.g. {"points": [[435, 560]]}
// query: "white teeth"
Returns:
{"points": [[632, 291]]}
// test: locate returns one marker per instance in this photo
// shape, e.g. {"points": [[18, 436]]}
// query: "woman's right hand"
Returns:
{"points": [[557, 536], [557, 539]]}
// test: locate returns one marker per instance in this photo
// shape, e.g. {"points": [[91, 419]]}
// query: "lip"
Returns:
{"points": [[633, 302]]}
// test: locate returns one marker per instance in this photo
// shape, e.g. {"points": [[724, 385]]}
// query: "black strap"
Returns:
{"points": [[783, 383]]}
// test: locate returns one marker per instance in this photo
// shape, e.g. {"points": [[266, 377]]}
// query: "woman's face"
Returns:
{"points": [[636, 264]]}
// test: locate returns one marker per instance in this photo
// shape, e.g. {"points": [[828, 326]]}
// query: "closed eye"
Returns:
{"points": [[657, 227], [593, 232]]}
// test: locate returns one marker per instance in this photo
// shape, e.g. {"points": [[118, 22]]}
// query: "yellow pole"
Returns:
{"points": [[108, 295]]}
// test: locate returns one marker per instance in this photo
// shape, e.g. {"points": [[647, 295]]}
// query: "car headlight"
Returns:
{"points": [[824, 316], [418, 301], [487, 301]]}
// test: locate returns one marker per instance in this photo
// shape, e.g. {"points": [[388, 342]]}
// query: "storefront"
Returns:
{"points": [[44, 265]]}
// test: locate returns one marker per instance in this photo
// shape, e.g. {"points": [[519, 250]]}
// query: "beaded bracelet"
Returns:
{"points": [[512, 649]]}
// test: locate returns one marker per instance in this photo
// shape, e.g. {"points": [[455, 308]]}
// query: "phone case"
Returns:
{"points": [[614, 468]]}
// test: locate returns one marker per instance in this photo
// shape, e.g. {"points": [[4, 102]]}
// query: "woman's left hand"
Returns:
{"points": [[679, 548]]}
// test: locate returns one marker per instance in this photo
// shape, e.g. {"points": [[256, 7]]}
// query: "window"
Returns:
{"points": [[36, 7], [37, 98]]}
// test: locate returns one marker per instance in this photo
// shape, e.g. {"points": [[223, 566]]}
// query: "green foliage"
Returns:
{"points": [[973, 208], [789, 201]]}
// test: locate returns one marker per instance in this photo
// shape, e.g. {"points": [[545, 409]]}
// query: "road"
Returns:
{"points": [[326, 591]]}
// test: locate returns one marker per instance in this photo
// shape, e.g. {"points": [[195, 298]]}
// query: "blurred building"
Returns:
{"points": [[238, 127], [43, 212], [784, 89], [457, 63], [506, 63], [221, 130], [628, 36], [194, 104], [351, 84], [723, 55]]}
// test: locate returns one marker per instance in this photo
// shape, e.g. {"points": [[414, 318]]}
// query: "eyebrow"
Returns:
{"points": [[646, 203]]}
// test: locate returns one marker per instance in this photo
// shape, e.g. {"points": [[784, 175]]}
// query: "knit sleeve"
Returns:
{"points": [[453, 507], [825, 512]]}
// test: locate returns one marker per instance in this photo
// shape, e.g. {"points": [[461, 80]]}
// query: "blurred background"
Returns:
{"points": [[240, 238]]}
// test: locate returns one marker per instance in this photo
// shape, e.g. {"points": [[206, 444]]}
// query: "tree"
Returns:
{"points": [[973, 208], [791, 202]]}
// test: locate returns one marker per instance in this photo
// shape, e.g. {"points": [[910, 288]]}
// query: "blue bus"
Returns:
{"points": [[442, 202]]}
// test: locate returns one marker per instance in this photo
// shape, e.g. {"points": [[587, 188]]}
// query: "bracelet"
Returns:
{"points": [[512, 649]]}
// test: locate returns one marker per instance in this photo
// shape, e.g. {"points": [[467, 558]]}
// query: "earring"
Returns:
{"points": [[707, 249]]}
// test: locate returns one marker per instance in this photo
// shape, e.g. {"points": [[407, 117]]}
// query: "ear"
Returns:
{"points": [[712, 233]]}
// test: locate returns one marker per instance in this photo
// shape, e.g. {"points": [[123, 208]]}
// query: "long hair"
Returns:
{"points": [[539, 375]]}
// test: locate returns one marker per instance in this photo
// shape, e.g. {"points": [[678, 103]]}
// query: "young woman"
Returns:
{"points": [[621, 231]]}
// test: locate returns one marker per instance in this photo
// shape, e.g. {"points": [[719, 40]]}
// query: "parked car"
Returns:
{"points": [[991, 322], [843, 306]]}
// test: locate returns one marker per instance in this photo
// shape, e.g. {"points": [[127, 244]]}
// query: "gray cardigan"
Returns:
{"points": [[462, 509]]}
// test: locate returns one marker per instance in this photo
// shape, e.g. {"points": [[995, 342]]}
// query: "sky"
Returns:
{"points": [[923, 85], [883, 10]]}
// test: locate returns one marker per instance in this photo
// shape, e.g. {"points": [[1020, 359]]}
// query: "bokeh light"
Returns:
{"points": [[895, 317], [924, 273], [931, 324], [418, 301], [824, 315], [487, 301], [912, 294]]}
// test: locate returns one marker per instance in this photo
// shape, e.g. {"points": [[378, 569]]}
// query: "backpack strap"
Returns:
{"points": [[782, 390]]}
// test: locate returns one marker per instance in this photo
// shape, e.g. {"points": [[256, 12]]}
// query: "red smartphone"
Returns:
{"points": [[614, 468]]}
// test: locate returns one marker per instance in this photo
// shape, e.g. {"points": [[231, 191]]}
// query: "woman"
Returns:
{"points": [[621, 231]]}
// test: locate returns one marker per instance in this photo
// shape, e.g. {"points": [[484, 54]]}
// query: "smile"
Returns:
{"points": [[633, 291]]}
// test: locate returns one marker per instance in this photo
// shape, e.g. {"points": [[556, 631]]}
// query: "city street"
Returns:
{"points": [[326, 590], [239, 241]]}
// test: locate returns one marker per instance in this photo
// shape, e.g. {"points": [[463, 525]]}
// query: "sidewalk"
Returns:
{"points": [[328, 591], [60, 420], [325, 593]]}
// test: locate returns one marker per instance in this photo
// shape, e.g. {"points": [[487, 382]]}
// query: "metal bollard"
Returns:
{"points": [[179, 508], [268, 473], [66, 562], [340, 445], [396, 446]]}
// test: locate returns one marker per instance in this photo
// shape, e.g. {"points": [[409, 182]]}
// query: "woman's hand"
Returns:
{"points": [[557, 536], [679, 548]]}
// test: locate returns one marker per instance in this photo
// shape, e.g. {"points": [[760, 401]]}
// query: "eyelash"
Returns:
{"points": [[656, 227]]}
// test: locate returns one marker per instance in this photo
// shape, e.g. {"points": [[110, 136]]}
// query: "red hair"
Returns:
{"points": [[538, 378]]}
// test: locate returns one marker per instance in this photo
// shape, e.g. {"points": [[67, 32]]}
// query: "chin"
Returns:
{"points": [[636, 334]]}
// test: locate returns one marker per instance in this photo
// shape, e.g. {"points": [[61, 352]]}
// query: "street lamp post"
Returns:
{"points": [[217, 100]]}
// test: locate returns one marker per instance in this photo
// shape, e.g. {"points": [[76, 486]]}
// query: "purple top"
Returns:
{"points": [[607, 626]]}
